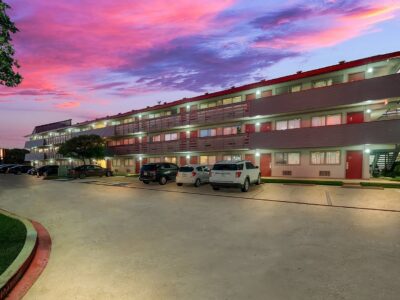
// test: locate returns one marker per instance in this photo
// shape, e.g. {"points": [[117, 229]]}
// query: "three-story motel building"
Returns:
{"points": [[339, 121]]}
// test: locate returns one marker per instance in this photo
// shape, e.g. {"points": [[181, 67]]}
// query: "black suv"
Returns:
{"points": [[161, 172]]}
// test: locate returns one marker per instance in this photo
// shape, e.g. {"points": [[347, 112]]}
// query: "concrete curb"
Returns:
{"points": [[37, 265], [15, 271], [29, 264]]}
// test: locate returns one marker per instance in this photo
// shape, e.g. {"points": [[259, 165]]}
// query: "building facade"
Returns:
{"points": [[340, 121]]}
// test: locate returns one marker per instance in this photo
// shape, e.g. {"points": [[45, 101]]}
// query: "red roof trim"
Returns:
{"points": [[297, 76]]}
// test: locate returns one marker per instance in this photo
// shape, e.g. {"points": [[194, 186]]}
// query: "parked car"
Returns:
{"points": [[234, 174], [17, 170], [158, 172], [32, 171], [47, 170], [5, 167], [89, 171], [193, 174]]}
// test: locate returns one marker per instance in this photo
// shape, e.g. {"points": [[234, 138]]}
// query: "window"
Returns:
{"points": [[334, 120], [326, 120], [266, 93], [295, 88], [170, 159], [249, 166], [322, 83], [208, 132], [325, 158], [226, 101], [332, 157], [156, 138], [116, 162], [281, 125], [171, 136], [230, 130], [128, 162], [232, 157], [208, 160], [288, 124], [154, 159], [356, 76], [318, 121], [287, 158], [237, 99], [295, 123]]}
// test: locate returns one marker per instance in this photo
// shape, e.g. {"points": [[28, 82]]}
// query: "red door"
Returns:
{"points": [[265, 164], [355, 117], [182, 161], [265, 127], [193, 160], [354, 161], [182, 135], [250, 128], [137, 167], [193, 134]]}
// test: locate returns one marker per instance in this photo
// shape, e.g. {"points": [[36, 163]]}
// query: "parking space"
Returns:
{"points": [[363, 198], [131, 241]]}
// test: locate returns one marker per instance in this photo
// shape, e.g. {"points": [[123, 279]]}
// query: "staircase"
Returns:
{"points": [[384, 160]]}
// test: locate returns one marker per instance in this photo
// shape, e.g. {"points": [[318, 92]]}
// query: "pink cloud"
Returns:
{"points": [[68, 105], [341, 27]]}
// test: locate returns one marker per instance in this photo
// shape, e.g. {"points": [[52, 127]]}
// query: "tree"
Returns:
{"points": [[8, 76], [84, 147], [15, 156]]}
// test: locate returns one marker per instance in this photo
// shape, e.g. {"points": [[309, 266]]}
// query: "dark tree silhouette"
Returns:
{"points": [[83, 147], [8, 75]]}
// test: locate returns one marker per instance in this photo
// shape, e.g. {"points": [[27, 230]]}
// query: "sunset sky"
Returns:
{"points": [[83, 59]]}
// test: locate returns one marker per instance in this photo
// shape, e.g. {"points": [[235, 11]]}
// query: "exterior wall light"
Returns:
{"points": [[258, 92], [367, 150], [188, 131], [258, 124], [187, 156], [257, 154], [140, 158], [368, 111], [370, 70]]}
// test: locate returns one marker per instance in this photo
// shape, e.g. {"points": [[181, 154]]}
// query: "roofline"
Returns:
{"points": [[296, 76]]}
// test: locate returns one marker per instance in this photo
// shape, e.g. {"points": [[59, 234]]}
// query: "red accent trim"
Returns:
{"points": [[296, 76], [36, 267]]}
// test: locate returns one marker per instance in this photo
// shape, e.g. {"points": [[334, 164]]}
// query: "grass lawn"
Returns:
{"points": [[12, 239]]}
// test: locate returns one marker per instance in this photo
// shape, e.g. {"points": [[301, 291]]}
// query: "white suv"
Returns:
{"points": [[234, 174]]}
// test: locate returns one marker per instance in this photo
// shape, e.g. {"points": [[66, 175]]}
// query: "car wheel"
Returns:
{"points": [[82, 176], [108, 174], [246, 185], [146, 181], [258, 182], [163, 180], [179, 184], [197, 183], [215, 188]]}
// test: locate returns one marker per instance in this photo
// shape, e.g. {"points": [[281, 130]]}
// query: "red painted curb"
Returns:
{"points": [[37, 265]]}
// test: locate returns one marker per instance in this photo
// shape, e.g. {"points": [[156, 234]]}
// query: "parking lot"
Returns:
{"points": [[118, 238]]}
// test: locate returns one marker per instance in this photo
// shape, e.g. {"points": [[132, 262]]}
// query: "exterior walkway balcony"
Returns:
{"points": [[205, 144], [376, 132], [226, 113]]}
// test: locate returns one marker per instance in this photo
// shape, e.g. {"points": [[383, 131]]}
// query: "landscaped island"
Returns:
{"points": [[12, 240]]}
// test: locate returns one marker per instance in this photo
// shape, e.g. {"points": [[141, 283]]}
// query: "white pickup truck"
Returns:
{"points": [[239, 174]]}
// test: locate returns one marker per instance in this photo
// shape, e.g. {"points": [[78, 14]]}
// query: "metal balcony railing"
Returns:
{"points": [[195, 117]]}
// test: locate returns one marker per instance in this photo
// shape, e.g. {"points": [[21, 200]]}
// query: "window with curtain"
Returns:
{"points": [[281, 125], [287, 158], [295, 123], [325, 157], [156, 138], [334, 119], [171, 136], [318, 121], [317, 158]]}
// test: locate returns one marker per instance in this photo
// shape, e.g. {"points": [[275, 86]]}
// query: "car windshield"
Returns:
{"points": [[185, 169], [225, 167], [149, 168]]}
